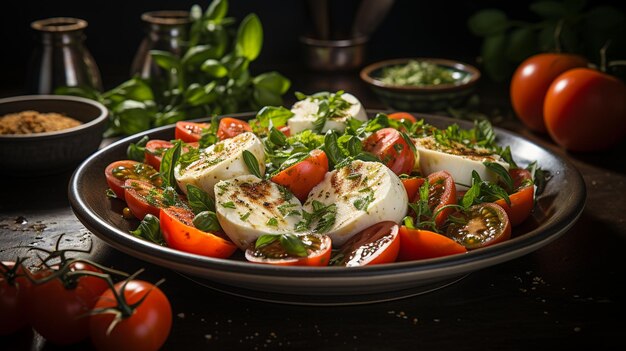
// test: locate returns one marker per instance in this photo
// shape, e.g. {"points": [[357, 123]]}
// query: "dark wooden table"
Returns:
{"points": [[567, 295]]}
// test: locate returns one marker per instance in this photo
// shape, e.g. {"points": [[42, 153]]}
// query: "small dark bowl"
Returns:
{"points": [[51, 152], [426, 98]]}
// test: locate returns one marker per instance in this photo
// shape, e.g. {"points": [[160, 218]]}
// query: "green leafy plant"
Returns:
{"points": [[565, 25], [212, 77]]}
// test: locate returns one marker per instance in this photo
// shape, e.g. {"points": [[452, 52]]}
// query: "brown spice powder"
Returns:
{"points": [[29, 122]]}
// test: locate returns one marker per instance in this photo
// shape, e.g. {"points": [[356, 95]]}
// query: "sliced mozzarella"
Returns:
{"points": [[248, 207], [223, 160], [459, 162], [305, 113], [364, 193]]}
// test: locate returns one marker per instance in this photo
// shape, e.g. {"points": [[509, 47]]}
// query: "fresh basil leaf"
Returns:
{"points": [[277, 137], [473, 192], [133, 117], [199, 200], [265, 97], [207, 221], [252, 163], [249, 37], [508, 157], [196, 55], [265, 240], [272, 81], [217, 10], [293, 245], [488, 22], [168, 162], [502, 173], [165, 59], [137, 151], [331, 148], [214, 68], [278, 116], [149, 229]]}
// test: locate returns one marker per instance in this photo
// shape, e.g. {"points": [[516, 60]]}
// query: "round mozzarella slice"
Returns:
{"points": [[222, 160], [460, 165], [248, 207], [363, 194], [305, 113]]}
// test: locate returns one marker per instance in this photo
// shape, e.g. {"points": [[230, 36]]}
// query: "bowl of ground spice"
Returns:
{"points": [[45, 134], [421, 84]]}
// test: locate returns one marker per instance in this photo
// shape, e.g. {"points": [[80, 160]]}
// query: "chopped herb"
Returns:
{"points": [[110, 194], [228, 204], [272, 222], [252, 163], [363, 203], [245, 216]]}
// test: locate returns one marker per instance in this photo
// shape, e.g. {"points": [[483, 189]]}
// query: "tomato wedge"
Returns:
{"points": [[154, 152], [522, 199], [418, 244], [301, 177], [143, 198], [402, 116], [377, 244], [481, 225], [118, 172], [412, 186], [189, 132], [316, 251], [390, 147], [180, 234], [441, 192], [231, 127]]}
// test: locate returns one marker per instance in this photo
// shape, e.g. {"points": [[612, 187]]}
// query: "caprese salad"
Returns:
{"points": [[321, 184]]}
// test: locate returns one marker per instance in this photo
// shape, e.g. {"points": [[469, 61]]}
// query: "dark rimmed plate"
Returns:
{"points": [[558, 207]]}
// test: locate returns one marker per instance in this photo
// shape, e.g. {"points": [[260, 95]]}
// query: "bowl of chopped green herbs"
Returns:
{"points": [[421, 84]]}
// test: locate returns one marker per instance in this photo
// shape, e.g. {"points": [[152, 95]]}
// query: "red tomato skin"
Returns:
{"points": [[304, 175], [146, 329], [136, 201], [189, 132], [389, 146], [417, 244], [154, 150], [179, 234], [402, 116], [117, 184], [412, 187], [14, 298], [531, 81], [522, 200], [448, 195], [231, 127], [585, 110], [60, 315]]}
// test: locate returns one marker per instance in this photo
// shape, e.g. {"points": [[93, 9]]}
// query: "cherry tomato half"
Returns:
{"points": [[146, 329], [531, 81], [374, 245], [585, 110], [522, 198], [14, 297], [117, 172], [441, 192], [481, 225], [391, 148], [402, 116], [231, 127], [301, 177], [180, 234], [417, 244], [143, 198], [318, 249], [59, 312], [154, 152], [412, 186], [189, 132]]}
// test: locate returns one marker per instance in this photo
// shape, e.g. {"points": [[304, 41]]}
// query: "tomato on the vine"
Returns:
{"points": [[531, 81], [377, 244], [144, 327], [392, 149], [58, 309], [301, 177], [585, 110], [15, 288], [117, 172]]}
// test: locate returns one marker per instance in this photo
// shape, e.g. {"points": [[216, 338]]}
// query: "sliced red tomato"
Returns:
{"points": [[377, 244], [145, 329], [441, 192], [481, 225], [189, 132], [180, 234], [285, 130], [311, 250], [119, 171], [143, 198], [522, 199], [417, 244], [14, 297], [402, 116], [154, 152], [301, 177], [390, 147], [59, 309], [231, 127], [412, 186]]}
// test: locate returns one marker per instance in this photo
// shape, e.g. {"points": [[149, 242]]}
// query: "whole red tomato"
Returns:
{"points": [[14, 294], [585, 110], [144, 327], [532, 79]]}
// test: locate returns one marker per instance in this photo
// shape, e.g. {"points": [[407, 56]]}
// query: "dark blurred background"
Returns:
{"points": [[412, 28]]}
